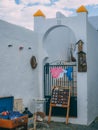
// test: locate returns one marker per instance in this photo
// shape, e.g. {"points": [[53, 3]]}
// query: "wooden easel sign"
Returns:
{"points": [[60, 98]]}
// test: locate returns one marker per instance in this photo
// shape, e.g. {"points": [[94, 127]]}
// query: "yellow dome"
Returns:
{"points": [[81, 9], [39, 13]]}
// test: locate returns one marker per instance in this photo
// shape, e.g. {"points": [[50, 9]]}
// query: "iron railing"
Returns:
{"points": [[50, 82]]}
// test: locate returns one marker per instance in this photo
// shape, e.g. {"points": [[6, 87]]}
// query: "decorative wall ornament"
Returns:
{"points": [[82, 64], [21, 48], [33, 62], [72, 58], [80, 45]]}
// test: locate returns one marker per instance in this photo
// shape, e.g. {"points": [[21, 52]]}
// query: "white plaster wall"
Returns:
{"points": [[94, 21], [38, 23], [17, 78], [78, 26], [92, 75]]}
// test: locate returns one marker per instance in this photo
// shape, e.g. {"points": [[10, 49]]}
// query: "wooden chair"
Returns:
{"points": [[60, 98]]}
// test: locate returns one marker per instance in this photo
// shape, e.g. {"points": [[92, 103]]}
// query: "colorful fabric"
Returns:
{"points": [[61, 74], [56, 72], [69, 73]]}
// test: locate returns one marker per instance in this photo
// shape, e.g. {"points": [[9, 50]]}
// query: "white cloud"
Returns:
{"points": [[9, 11], [22, 14], [74, 3], [35, 1], [6, 3]]}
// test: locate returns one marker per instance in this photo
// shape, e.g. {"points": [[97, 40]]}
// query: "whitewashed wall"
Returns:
{"points": [[92, 75], [17, 78], [52, 32], [49, 37]]}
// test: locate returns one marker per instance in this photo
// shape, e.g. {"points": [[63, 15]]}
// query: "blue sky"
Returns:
{"points": [[21, 12]]}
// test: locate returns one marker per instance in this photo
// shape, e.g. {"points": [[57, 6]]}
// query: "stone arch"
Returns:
{"points": [[56, 42]]}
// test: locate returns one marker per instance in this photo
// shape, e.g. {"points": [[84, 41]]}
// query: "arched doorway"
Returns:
{"points": [[57, 42]]}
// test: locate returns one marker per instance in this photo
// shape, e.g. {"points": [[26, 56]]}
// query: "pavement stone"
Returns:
{"points": [[62, 126]]}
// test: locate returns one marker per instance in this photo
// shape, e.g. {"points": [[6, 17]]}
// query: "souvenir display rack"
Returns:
{"points": [[60, 98]]}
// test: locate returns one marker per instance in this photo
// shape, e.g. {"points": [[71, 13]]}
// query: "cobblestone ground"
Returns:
{"points": [[63, 126]]}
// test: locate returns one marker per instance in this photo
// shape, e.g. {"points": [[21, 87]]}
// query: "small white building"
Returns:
{"points": [[49, 42]]}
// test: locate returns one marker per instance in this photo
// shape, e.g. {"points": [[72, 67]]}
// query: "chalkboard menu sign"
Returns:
{"points": [[60, 96]]}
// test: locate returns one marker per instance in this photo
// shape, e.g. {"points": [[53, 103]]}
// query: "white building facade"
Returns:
{"points": [[55, 37], [49, 42]]}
